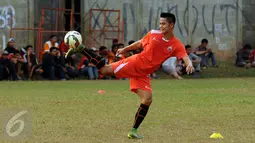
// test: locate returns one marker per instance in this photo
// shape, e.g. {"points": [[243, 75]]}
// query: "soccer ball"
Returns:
{"points": [[73, 39]]}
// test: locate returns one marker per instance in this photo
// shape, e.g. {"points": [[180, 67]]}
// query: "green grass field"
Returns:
{"points": [[186, 111]]}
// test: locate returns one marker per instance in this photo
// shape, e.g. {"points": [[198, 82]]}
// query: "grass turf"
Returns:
{"points": [[184, 111]]}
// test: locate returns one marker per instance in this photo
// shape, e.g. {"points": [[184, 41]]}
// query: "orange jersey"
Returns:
{"points": [[157, 50]]}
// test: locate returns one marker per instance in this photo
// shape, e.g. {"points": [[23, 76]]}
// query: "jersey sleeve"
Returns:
{"points": [[145, 40], [180, 51]]}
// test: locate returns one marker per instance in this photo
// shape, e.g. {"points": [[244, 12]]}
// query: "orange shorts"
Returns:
{"points": [[127, 69]]}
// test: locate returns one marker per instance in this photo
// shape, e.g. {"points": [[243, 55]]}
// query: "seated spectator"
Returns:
{"points": [[135, 51], [7, 67], [11, 47], [121, 45], [92, 71], [22, 51], [12, 51], [243, 56], [30, 61], [205, 54], [51, 67], [170, 67], [103, 51], [83, 66], [112, 54], [64, 64], [95, 50], [131, 42], [71, 70], [194, 58], [126, 54], [120, 56], [1, 66], [47, 45], [154, 76], [63, 47], [36, 72], [88, 69], [252, 58], [31, 67]]}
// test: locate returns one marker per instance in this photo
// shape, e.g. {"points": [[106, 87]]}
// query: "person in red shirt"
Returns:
{"points": [[252, 58], [158, 45], [63, 47]]}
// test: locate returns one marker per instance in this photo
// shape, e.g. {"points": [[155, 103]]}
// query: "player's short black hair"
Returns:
{"points": [[169, 16], [204, 41], [187, 47]]}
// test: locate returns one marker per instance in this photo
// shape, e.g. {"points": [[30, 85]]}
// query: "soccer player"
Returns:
{"points": [[158, 45]]}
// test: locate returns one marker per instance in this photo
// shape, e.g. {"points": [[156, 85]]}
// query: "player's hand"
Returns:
{"points": [[120, 51], [189, 69]]}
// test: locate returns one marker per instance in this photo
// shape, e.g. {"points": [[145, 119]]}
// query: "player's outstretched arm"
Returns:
{"points": [[134, 46], [188, 64]]}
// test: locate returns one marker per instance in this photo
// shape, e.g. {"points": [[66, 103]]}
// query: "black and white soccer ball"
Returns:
{"points": [[73, 39]]}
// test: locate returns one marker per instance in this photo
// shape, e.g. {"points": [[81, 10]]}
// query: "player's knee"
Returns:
{"points": [[148, 100], [107, 71]]}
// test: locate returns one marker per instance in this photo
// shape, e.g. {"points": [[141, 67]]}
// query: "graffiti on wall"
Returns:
{"points": [[200, 16], [6, 13], [200, 13]]}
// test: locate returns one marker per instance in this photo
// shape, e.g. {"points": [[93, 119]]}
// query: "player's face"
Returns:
{"points": [[165, 26]]}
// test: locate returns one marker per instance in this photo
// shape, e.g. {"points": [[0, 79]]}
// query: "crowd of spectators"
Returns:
{"points": [[23, 64], [200, 58], [245, 57]]}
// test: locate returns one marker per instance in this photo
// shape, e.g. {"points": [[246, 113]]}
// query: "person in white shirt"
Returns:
{"points": [[170, 67]]}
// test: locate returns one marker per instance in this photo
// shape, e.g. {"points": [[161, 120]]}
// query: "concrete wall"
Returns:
{"points": [[225, 23], [220, 21], [249, 22], [26, 14]]}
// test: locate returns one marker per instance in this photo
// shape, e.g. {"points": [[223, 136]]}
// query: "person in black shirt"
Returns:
{"points": [[242, 56], [7, 68], [30, 60], [51, 67], [11, 47]]}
